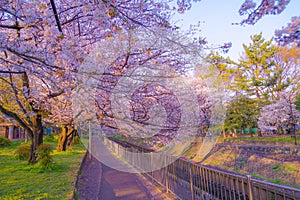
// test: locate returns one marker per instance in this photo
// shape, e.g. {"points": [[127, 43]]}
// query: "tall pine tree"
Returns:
{"points": [[256, 72]]}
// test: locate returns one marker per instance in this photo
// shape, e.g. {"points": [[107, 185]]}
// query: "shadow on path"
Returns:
{"points": [[122, 185]]}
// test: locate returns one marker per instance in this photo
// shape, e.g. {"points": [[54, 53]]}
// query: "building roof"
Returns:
{"points": [[6, 120]]}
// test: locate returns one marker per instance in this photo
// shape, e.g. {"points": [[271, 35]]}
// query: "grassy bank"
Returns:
{"points": [[276, 168], [279, 139], [20, 180]]}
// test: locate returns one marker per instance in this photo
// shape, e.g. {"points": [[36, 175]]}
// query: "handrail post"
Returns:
{"points": [[250, 187], [151, 167], [167, 175], [90, 141], [191, 180]]}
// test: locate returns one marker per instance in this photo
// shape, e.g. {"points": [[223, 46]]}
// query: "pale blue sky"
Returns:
{"points": [[218, 15]]}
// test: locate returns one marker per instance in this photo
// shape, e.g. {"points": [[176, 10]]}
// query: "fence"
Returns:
{"points": [[193, 181]]}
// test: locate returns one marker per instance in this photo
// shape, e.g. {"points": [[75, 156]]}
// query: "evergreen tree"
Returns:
{"points": [[242, 112], [297, 103], [256, 73]]}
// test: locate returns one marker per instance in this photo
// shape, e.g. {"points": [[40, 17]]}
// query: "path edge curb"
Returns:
{"points": [[78, 173]]}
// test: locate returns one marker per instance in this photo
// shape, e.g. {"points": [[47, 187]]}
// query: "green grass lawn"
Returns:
{"points": [[20, 180], [278, 139]]}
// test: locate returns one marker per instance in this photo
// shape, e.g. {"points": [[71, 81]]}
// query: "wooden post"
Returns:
{"points": [[191, 181], [167, 176], [151, 167], [250, 187], [90, 141]]}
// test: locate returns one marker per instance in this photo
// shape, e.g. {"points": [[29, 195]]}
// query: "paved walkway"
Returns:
{"points": [[90, 179], [126, 186], [108, 179]]}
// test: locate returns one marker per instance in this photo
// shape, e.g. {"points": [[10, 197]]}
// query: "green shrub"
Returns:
{"points": [[23, 151], [50, 138], [44, 156], [276, 166], [291, 169], [119, 137], [4, 141], [236, 169], [76, 140]]}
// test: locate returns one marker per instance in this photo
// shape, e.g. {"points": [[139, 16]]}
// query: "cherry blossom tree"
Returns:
{"points": [[24, 106], [60, 112], [144, 86], [43, 44], [290, 33], [276, 116], [254, 10]]}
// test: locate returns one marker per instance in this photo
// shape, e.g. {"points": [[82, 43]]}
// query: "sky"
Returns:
{"points": [[217, 16]]}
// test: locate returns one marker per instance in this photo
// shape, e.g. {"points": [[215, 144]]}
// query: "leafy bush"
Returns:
{"points": [[4, 141], [76, 140], [44, 156], [277, 166], [119, 137], [50, 138], [56, 136], [23, 151]]}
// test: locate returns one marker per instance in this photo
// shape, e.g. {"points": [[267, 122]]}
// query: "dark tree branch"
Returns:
{"points": [[56, 15], [9, 12], [10, 72], [26, 88], [17, 118], [17, 97], [33, 59], [11, 26]]}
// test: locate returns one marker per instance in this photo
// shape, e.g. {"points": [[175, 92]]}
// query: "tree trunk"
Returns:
{"points": [[259, 132], [251, 133], [294, 133], [71, 138], [280, 130], [224, 134], [66, 133], [234, 133], [37, 137]]}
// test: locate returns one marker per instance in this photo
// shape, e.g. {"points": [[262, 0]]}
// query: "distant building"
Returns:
{"points": [[51, 128], [10, 129]]}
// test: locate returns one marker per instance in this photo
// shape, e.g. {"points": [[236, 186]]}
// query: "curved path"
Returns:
{"points": [[99, 181]]}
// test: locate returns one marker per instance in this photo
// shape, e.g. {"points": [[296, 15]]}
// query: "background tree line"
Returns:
{"points": [[262, 86]]}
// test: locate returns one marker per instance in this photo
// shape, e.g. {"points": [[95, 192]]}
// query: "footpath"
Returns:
{"points": [[106, 177]]}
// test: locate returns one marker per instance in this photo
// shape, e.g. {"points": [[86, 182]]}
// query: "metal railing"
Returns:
{"points": [[193, 181]]}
